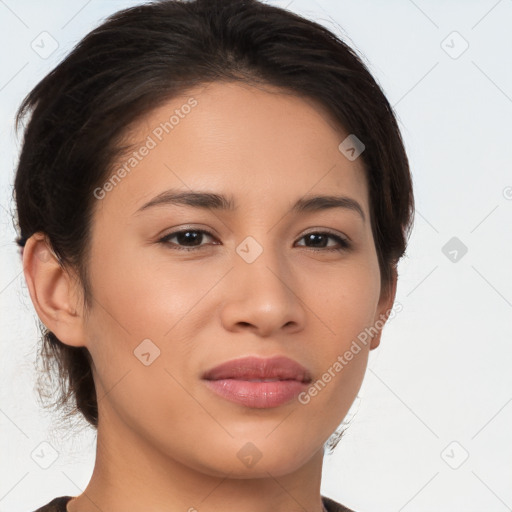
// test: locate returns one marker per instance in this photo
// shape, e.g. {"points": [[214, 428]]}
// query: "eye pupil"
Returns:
{"points": [[312, 236], [184, 236]]}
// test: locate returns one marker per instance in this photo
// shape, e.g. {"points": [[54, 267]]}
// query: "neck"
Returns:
{"points": [[143, 478]]}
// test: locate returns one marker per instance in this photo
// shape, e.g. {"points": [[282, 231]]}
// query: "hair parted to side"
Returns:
{"points": [[144, 56]]}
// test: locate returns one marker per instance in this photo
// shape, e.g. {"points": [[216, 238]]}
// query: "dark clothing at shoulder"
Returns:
{"points": [[59, 505], [56, 505], [334, 506]]}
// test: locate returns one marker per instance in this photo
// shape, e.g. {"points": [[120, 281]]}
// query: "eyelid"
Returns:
{"points": [[210, 233], [179, 229], [328, 232]]}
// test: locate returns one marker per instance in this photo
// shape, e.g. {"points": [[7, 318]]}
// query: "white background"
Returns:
{"points": [[439, 387]]}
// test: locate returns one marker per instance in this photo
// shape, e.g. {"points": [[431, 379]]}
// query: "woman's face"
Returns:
{"points": [[258, 283]]}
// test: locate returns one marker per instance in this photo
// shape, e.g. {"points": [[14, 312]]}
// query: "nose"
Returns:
{"points": [[263, 296]]}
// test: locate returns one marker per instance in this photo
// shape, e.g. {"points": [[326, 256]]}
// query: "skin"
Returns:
{"points": [[165, 441]]}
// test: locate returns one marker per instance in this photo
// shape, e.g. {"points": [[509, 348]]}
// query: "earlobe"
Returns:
{"points": [[52, 290], [386, 302]]}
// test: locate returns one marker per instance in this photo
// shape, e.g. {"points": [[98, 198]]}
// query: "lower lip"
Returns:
{"points": [[259, 395]]}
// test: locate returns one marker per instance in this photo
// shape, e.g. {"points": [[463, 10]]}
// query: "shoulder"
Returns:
{"points": [[56, 505], [334, 506]]}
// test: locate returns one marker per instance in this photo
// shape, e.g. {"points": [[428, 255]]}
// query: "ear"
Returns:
{"points": [[387, 298], [53, 291]]}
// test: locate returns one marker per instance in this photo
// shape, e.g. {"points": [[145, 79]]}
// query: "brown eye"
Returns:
{"points": [[186, 239], [319, 241]]}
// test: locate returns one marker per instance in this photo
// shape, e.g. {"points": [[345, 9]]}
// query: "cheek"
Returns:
{"points": [[139, 296], [347, 311], [144, 307], [349, 302]]}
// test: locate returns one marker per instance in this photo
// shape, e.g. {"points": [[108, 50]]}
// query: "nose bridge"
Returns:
{"points": [[262, 264], [262, 293]]}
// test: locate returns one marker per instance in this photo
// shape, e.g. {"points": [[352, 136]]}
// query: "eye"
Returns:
{"points": [[190, 240], [321, 239], [186, 236]]}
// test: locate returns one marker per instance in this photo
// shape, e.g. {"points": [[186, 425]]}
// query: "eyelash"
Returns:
{"points": [[345, 245]]}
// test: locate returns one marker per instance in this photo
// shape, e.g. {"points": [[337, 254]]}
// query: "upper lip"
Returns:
{"points": [[245, 368]]}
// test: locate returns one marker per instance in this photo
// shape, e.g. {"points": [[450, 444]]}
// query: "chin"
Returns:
{"points": [[245, 459]]}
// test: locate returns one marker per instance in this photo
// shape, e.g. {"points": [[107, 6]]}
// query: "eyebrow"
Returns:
{"points": [[210, 200]]}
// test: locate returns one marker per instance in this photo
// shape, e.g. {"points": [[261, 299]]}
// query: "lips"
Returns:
{"points": [[259, 369], [258, 383]]}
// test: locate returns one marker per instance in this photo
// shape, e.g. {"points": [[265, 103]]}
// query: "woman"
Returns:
{"points": [[212, 200]]}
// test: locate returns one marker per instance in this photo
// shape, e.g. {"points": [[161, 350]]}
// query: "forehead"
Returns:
{"points": [[261, 141]]}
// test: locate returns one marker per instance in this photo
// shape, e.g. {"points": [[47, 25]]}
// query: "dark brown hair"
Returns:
{"points": [[143, 56]]}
